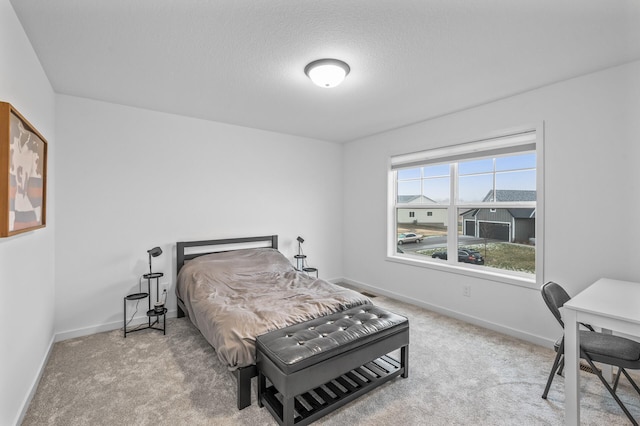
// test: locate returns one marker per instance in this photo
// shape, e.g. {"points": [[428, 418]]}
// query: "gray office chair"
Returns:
{"points": [[604, 348]]}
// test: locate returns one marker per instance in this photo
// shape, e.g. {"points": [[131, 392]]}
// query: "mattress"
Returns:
{"points": [[233, 297]]}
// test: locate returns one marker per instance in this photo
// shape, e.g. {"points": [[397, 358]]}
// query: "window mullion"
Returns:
{"points": [[452, 229], [495, 198]]}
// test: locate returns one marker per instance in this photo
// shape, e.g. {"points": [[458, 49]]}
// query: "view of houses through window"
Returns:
{"points": [[483, 208]]}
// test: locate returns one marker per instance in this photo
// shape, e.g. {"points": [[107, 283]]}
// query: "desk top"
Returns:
{"points": [[609, 298]]}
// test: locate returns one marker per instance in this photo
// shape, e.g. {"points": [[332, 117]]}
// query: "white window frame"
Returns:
{"points": [[493, 143]]}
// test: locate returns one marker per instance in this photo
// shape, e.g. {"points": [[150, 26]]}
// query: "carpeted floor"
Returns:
{"points": [[459, 374]]}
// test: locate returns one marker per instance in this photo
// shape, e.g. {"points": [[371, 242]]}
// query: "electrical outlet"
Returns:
{"points": [[466, 291]]}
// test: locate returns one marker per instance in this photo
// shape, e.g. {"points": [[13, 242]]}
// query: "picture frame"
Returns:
{"points": [[23, 174]]}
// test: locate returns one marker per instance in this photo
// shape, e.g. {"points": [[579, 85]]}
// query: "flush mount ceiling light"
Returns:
{"points": [[327, 73]]}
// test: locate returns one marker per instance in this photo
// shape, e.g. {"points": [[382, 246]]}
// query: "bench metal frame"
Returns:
{"points": [[306, 395]]}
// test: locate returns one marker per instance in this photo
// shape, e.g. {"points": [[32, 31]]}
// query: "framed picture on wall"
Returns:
{"points": [[23, 174]]}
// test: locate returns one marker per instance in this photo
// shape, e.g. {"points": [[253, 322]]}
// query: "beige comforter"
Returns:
{"points": [[233, 297]]}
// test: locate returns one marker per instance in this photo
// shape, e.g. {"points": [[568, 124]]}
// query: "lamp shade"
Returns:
{"points": [[327, 73], [155, 252]]}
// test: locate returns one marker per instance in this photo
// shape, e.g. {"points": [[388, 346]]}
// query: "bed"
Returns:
{"points": [[234, 290]]}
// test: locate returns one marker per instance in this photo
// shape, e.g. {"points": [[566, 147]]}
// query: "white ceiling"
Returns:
{"points": [[242, 61]]}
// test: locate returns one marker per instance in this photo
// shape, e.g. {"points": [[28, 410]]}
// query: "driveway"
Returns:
{"points": [[439, 242]]}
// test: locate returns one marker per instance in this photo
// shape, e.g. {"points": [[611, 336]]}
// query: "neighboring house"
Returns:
{"points": [[420, 215], [509, 224]]}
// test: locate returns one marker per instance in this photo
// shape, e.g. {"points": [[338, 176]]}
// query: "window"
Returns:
{"points": [[478, 200]]}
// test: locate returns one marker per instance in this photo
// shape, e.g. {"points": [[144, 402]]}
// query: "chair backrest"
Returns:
{"points": [[555, 297]]}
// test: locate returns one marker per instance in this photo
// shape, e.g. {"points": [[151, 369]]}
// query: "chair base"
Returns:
{"points": [[558, 364], [611, 390]]}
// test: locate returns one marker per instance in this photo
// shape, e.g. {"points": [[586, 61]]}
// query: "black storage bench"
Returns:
{"points": [[317, 366]]}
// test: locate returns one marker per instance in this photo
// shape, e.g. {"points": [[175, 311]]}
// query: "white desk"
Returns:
{"points": [[607, 303]]}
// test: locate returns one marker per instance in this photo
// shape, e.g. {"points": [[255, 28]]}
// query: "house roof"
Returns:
{"points": [[511, 195], [516, 213], [414, 199], [523, 213]]}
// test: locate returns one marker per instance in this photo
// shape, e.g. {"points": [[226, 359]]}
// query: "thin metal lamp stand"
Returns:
{"points": [[151, 312], [300, 260]]}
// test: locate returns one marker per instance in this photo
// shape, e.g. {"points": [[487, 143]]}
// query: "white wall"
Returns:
{"points": [[131, 179], [591, 196], [26, 260]]}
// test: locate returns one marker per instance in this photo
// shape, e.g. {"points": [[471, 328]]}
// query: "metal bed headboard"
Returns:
{"points": [[202, 247]]}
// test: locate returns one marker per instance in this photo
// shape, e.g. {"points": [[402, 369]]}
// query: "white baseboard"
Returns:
{"points": [[34, 385], [86, 331], [532, 338], [538, 340]]}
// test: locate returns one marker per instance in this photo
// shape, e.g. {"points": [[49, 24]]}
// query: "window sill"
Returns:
{"points": [[512, 278]]}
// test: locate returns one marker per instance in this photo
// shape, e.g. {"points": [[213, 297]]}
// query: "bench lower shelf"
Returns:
{"points": [[312, 405]]}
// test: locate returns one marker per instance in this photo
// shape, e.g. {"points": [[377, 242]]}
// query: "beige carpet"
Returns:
{"points": [[459, 374]]}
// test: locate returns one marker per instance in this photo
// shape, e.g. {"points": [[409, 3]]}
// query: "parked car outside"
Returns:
{"points": [[409, 237], [464, 255]]}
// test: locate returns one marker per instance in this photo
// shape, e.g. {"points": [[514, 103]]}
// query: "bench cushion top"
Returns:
{"points": [[298, 346]]}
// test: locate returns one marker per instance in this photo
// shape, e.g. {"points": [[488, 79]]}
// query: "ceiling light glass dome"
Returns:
{"points": [[327, 73]]}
